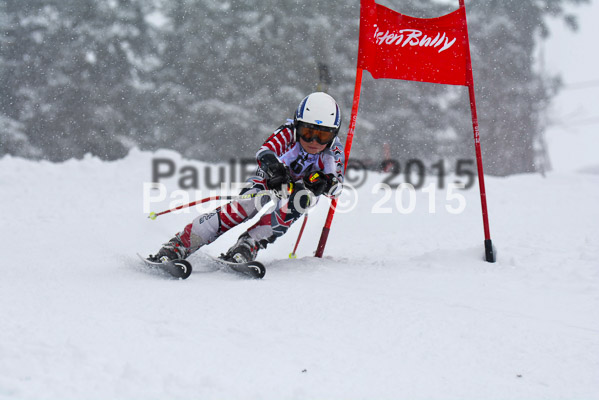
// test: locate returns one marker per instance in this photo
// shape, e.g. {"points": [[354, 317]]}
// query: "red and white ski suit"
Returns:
{"points": [[208, 227]]}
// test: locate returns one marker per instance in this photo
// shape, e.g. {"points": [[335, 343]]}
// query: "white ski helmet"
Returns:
{"points": [[318, 110]]}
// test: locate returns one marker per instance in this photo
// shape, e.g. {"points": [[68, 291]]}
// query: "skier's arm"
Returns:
{"points": [[334, 168], [279, 142], [337, 167], [276, 173], [318, 183]]}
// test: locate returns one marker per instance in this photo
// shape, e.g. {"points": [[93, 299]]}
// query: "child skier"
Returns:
{"points": [[304, 153]]}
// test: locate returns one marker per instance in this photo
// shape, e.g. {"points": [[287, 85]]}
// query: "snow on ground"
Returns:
{"points": [[402, 305]]}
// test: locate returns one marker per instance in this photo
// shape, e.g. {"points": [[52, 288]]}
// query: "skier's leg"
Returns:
{"points": [[268, 228], [209, 226]]}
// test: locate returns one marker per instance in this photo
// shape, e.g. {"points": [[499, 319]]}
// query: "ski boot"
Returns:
{"points": [[174, 249], [244, 251]]}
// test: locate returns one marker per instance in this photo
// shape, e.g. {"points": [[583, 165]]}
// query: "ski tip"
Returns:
{"points": [[259, 268], [177, 268], [184, 268]]}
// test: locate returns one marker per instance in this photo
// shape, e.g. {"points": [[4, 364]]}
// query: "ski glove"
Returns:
{"points": [[276, 172], [318, 182]]}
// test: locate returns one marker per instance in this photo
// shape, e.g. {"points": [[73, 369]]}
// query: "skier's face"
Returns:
{"points": [[312, 147]]}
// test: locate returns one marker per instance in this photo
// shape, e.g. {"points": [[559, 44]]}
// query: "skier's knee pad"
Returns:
{"points": [[204, 229]]}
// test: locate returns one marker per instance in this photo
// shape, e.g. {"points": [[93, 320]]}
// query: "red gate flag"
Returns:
{"points": [[396, 46], [434, 50]]}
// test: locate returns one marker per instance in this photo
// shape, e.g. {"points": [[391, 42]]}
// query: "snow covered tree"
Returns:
{"points": [[213, 79], [14, 141], [512, 96], [68, 68]]}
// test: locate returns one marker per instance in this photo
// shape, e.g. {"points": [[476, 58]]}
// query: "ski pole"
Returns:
{"points": [[154, 215], [299, 237]]}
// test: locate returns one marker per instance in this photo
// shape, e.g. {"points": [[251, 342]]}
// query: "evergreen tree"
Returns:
{"points": [[68, 65], [213, 79]]}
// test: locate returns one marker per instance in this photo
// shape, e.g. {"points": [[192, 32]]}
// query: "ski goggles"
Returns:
{"points": [[322, 134]]}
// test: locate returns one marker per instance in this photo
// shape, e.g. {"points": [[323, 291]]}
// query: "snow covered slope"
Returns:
{"points": [[402, 306]]}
